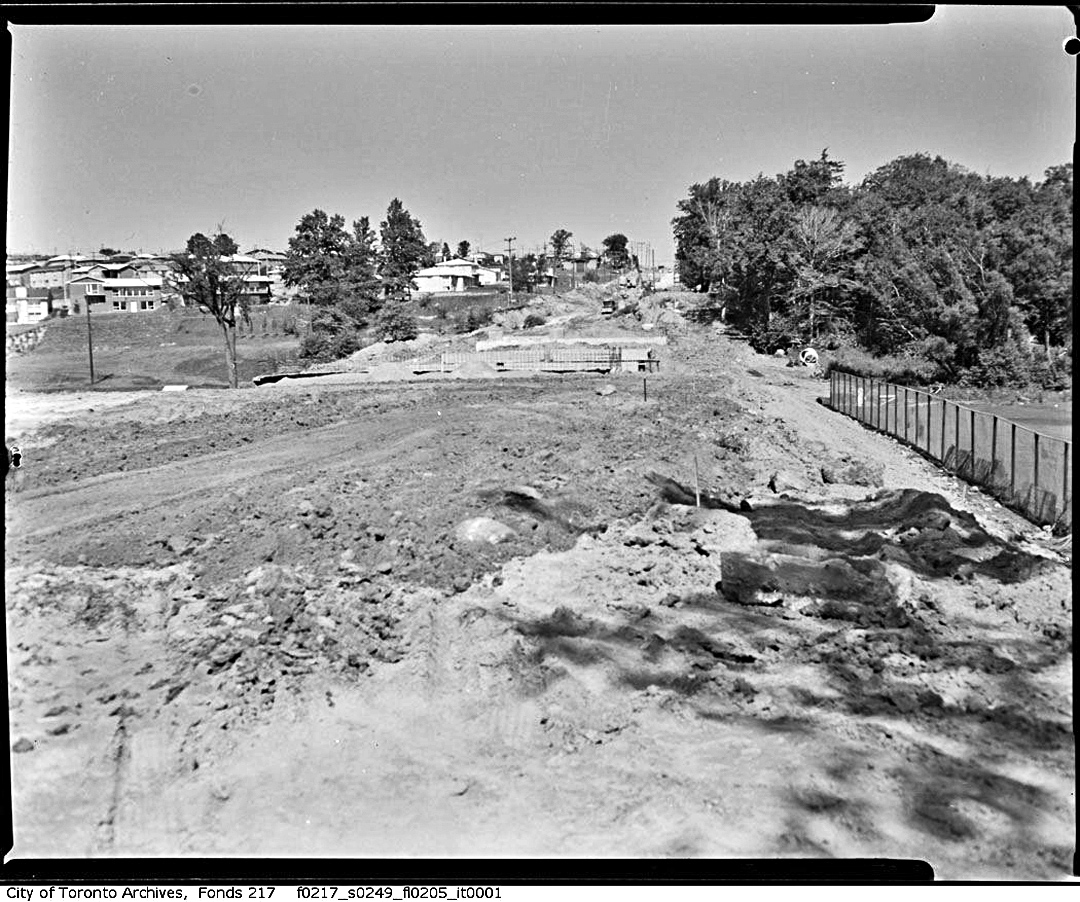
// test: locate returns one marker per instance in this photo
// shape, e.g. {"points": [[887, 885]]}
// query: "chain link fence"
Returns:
{"points": [[1026, 470]]}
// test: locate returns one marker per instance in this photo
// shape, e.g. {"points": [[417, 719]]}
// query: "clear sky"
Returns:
{"points": [[136, 137]]}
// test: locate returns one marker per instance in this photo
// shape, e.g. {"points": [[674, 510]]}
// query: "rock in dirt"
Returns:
{"points": [[606, 390], [853, 472], [786, 481], [179, 544], [722, 531], [23, 745], [480, 530]]}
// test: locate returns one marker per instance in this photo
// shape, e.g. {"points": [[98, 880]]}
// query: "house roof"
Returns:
{"points": [[144, 282]]}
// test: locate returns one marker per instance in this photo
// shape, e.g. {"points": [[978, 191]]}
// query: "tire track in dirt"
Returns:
{"points": [[33, 514]]}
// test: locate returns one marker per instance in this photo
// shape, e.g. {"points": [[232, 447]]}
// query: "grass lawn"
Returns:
{"points": [[151, 349]]}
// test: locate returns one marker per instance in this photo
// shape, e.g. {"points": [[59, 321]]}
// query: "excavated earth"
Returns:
{"points": [[264, 623]]}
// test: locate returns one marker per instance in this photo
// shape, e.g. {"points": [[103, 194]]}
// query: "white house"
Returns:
{"points": [[454, 275]]}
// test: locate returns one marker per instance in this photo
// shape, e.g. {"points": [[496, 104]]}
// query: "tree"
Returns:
{"points": [[108, 251], [445, 251], [359, 287], [209, 278], [615, 250], [821, 240], [463, 249], [560, 240], [403, 250], [315, 260]]}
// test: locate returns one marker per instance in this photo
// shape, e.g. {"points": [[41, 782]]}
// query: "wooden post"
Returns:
{"points": [[645, 388], [993, 447], [1012, 462], [944, 411], [1065, 482], [89, 337], [956, 436], [1035, 494], [905, 413], [697, 484], [973, 444]]}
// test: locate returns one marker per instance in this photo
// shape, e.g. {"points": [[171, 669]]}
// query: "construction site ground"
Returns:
{"points": [[719, 621]]}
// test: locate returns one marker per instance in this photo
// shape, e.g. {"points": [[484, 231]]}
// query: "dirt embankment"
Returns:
{"points": [[722, 621]]}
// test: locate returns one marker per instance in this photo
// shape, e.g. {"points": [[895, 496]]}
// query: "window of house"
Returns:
{"points": [[118, 305], [146, 305]]}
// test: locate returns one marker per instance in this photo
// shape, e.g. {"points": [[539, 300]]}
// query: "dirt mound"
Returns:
{"points": [[475, 369]]}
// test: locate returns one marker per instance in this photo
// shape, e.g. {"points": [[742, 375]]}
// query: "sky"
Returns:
{"points": [[136, 137]]}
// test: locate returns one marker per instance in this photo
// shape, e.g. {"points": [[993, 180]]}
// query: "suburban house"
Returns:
{"points": [[483, 258], [581, 263], [128, 294], [454, 275], [272, 265], [20, 307]]}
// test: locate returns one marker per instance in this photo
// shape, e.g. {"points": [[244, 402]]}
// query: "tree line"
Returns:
{"points": [[945, 274], [354, 280]]}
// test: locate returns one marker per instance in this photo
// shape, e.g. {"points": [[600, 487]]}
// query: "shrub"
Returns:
{"points": [[396, 325], [476, 318], [533, 320], [1007, 364], [357, 310], [590, 275], [906, 369], [316, 347]]}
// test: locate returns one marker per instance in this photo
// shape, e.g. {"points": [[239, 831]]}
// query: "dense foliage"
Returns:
{"points": [[357, 280], [967, 277], [615, 252]]}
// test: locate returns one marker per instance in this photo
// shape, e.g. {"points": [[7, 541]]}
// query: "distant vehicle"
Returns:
{"points": [[13, 459]]}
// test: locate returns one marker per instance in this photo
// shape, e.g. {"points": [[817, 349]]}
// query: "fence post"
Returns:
{"points": [[1012, 462], [993, 447], [956, 437], [944, 411], [905, 413], [972, 444], [1035, 494], [1065, 482]]}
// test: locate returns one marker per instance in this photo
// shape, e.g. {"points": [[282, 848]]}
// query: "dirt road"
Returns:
{"points": [[252, 624]]}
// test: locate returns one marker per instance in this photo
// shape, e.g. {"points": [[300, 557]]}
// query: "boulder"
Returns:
{"points": [[481, 530], [785, 481], [853, 472], [722, 531]]}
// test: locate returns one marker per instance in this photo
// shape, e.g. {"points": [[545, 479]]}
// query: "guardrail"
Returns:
{"points": [[1026, 470]]}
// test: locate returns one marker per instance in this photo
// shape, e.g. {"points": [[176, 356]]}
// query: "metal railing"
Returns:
{"points": [[1026, 470]]}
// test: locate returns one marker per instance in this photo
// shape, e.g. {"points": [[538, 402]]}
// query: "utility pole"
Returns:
{"points": [[510, 264], [89, 337]]}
